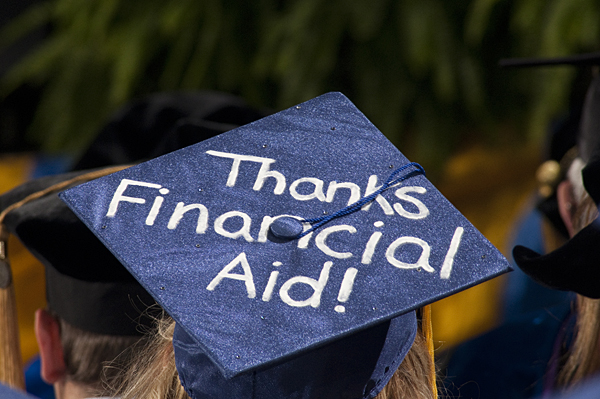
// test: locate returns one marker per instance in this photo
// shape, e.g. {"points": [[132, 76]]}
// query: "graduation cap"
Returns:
{"points": [[563, 136], [85, 284], [587, 59], [164, 122], [588, 136], [573, 266], [291, 252]]}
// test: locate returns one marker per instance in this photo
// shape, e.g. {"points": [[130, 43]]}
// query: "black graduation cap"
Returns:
{"points": [[164, 122], [85, 284], [573, 266], [79, 269], [588, 136], [587, 59], [562, 137], [291, 252]]}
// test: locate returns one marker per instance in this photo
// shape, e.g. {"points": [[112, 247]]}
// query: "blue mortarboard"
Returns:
{"points": [[214, 232]]}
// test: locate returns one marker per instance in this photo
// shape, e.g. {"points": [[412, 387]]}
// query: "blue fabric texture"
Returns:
{"points": [[193, 227], [11, 393], [589, 389], [511, 361], [522, 294]]}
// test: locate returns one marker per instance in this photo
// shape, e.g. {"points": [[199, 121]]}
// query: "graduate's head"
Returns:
{"points": [[95, 308]]}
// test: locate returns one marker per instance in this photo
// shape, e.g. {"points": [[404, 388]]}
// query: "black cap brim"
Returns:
{"points": [[572, 267], [587, 59]]}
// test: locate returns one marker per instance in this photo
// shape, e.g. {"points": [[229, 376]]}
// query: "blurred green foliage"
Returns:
{"points": [[425, 72]]}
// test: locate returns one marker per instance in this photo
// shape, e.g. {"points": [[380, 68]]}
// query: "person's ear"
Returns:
{"points": [[47, 333], [566, 205]]}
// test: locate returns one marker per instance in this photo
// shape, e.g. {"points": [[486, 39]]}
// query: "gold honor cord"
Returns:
{"points": [[428, 330], [11, 364]]}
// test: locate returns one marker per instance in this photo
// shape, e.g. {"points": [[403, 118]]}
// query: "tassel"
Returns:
{"points": [[11, 365], [428, 331]]}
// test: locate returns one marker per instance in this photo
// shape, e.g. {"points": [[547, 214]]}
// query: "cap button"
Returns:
{"points": [[286, 227]]}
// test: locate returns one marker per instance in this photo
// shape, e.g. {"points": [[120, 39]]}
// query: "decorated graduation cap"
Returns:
{"points": [[573, 266], [291, 252], [85, 284]]}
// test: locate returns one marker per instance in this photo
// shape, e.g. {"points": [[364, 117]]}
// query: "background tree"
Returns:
{"points": [[424, 72]]}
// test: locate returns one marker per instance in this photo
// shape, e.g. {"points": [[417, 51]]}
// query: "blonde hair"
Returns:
{"points": [[153, 374], [413, 378], [582, 359]]}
